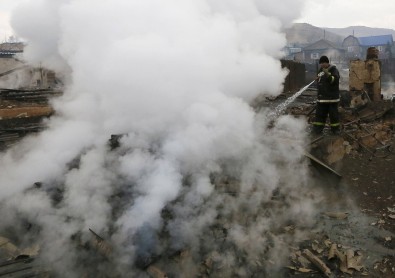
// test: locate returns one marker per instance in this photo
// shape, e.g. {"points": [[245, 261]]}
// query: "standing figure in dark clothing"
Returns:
{"points": [[328, 97]]}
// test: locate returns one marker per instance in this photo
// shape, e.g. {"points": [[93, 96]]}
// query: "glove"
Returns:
{"points": [[321, 74], [326, 71]]}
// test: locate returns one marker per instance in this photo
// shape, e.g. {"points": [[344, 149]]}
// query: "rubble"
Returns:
{"points": [[317, 262], [102, 246], [16, 262], [22, 112], [367, 133], [347, 260], [155, 272], [330, 149], [322, 258], [364, 130], [337, 215]]}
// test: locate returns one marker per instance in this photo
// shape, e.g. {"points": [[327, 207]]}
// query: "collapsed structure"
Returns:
{"points": [[228, 260], [365, 76], [24, 95]]}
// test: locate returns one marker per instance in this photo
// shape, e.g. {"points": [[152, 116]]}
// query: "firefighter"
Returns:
{"points": [[328, 97]]}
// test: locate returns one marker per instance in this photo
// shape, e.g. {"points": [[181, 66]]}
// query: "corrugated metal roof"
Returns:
{"points": [[376, 40]]}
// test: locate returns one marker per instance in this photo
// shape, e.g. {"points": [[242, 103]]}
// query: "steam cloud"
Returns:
{"points": [[175, 79]]}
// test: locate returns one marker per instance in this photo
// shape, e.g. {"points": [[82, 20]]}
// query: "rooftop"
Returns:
{"points": [[376, 40]]}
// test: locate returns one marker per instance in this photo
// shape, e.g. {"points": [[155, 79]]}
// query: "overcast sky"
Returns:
{"points": [[320, 13], [344, 13], [6, 7]]}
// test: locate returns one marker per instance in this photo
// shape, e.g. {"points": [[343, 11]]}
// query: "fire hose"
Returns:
{"points": [[280, 108]]}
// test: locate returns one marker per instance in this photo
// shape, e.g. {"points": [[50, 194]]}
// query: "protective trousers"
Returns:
{"points": [[321, 113]]}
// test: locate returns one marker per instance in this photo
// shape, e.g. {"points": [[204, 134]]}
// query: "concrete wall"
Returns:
{"points": [[24, 76], [7, 64]]}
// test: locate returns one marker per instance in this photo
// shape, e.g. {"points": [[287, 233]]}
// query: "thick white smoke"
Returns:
{"points": [[175, 78]]}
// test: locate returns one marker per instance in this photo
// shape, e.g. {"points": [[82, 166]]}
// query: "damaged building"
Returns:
{"points": [[24, 95], [366, 131], [154, 157]]}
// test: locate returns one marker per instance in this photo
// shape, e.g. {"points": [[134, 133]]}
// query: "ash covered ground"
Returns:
{"points": [[248, 232], [154, 163], [363, 198]]}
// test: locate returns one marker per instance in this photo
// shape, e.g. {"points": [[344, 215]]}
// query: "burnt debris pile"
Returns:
{"points": [[230, 232], [22, 112]]}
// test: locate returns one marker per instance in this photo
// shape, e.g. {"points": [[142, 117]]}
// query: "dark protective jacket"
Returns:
{"points": [[328, 86]]}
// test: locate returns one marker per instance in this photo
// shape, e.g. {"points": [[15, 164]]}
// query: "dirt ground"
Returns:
{"points": [[363, 202], [366, 196], [369, 179], [10, 110], [369, 182]]}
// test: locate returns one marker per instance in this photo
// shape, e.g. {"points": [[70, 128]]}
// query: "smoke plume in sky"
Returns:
{"points": [[175, 79]]}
